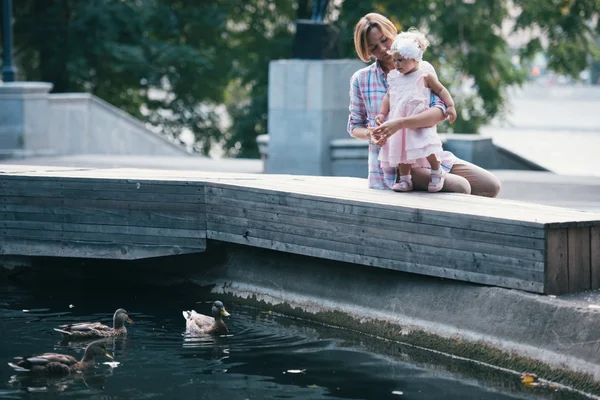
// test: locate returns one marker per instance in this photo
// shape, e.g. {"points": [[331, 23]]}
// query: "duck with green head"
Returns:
{"points": [[93, 330], [202, 324]]}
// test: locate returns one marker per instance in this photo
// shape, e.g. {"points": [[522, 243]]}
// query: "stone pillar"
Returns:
{"points": [[308, 107], [24, 119]]}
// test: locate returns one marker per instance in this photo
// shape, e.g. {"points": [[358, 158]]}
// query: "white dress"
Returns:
{"points": [[409, 96]]}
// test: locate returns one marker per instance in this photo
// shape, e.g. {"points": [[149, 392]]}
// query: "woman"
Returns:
{"points": [[373, 37]]}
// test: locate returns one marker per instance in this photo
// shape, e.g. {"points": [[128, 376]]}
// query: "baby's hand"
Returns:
{"points": [[379, 119], [376, 138], [381, 141], [451, 113]]}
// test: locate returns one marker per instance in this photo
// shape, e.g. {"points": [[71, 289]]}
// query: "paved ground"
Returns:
{"points": [[579, 192], [557, 127]]}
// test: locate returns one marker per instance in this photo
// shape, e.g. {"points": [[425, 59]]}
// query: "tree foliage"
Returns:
{"points": [[169, 62], [177, 64]]}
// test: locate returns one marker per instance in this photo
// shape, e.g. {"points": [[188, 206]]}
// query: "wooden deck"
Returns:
{"points": [[131, 213]]}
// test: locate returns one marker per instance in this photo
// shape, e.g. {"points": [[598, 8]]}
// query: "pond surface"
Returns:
{"points": [[265, 356]]}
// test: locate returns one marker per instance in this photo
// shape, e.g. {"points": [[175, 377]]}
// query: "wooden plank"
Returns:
{"points": [[120, 218], [557, 262], [355, 187], [114, 177], [382, 238], [109, 204], [423, 203], [102, 237], [521, 212], [310, 184], [579, 259], [399, 251], [104, 229], [403, 214], [488, 241], [90, 249], [528, 248], [76, 194], [88, 184], [595, 257], [412, 267]]}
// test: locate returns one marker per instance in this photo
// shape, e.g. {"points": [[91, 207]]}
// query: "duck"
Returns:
{"points": [[203, 324], [56, 364], [93, 330]]}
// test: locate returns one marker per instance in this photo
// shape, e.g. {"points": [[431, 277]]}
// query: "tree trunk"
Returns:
{"points": [[53, 42]]}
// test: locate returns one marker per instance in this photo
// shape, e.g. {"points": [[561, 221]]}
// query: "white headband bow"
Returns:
{"points": [[408, 48]]}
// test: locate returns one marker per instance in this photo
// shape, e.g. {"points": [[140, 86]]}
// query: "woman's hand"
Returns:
{"points": [[381, 133], [379, 119]]}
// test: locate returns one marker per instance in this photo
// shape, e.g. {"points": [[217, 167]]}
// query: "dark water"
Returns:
{"points": [[266, 356]]}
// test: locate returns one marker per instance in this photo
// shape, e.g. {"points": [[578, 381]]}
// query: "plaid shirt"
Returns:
{"points": [[367, 89]]}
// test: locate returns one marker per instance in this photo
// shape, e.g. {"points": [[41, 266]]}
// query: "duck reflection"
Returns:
{"points": [[95, 379], [116, 344]]}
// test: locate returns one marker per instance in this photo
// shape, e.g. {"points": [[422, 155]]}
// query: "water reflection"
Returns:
{"points": [[92, 379], [265, 355]]}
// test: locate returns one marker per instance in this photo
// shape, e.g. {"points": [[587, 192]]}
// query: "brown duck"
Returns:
{"points": [[93, 330], [56, 364]]}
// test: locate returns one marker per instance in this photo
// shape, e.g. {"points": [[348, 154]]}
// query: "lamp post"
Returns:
{"points": [[8, 71]]}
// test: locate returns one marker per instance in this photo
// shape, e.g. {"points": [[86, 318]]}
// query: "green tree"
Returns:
{"points": [[261, 32], [164, 61]]}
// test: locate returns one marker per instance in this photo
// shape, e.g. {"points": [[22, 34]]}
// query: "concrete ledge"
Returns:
{"points": [[553, 336], [24, 153], [85, 124], [22, 89]]}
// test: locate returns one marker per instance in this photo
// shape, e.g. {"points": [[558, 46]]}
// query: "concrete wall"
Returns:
{"points": [[34, 122], [83, 123], [24, 117], [348, 157], [308, 107]]}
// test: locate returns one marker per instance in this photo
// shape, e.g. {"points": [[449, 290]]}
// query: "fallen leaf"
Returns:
{"points": [[528, 378]]}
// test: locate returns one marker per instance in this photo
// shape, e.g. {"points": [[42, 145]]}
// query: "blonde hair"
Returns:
{"points": [[414, 34], [364, 26]]}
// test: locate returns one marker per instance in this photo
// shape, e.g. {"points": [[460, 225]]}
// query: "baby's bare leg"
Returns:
{"points": [[433, 161], [404, 169]]}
